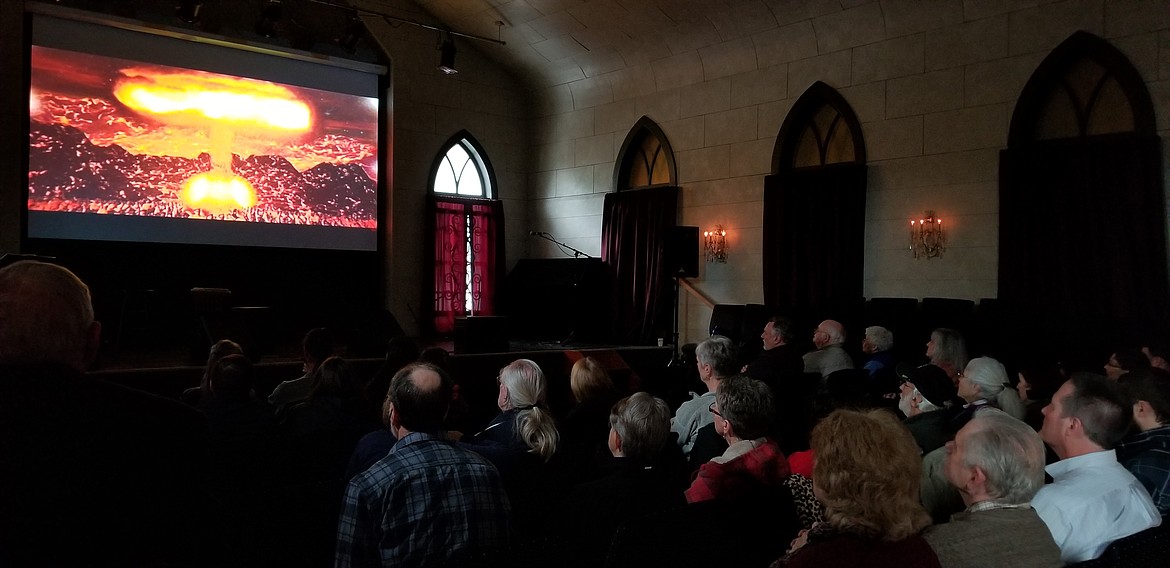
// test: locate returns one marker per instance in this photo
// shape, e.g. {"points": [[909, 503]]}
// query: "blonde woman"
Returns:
{"points": [[866, 475], [585, 428]]}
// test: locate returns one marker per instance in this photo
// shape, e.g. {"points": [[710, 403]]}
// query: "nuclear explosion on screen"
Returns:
{"points": [[119, 137]]}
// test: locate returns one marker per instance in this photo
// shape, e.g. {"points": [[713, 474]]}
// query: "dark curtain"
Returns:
{"points": [[814, 237], [451, 220], [635, 227], [1082, 230]]}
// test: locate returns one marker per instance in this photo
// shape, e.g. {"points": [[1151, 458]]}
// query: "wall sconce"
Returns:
{"points": [[715, 244], [927, 238]]}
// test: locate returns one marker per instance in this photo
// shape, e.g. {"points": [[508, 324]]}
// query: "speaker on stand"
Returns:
{"points": [[682, 260]]}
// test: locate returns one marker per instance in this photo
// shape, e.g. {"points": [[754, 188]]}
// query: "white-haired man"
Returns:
{"points": [[829, 355], [715, 359], [997, 464]]}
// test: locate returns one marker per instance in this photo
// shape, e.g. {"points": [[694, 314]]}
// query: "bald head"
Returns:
{"points": [[46, 316], [829, 332], [420, 394]]}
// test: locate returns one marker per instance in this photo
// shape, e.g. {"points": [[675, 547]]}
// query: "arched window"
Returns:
{"points": [[814, 206], [1082, 211], [646, 159], [467, 226]]}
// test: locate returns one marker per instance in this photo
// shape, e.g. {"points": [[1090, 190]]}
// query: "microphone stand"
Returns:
{"points": [[548, 237]]}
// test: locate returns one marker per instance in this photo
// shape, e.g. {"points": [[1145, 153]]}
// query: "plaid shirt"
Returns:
{"points": [[426, 501], [1147, 456], [760, 466]]}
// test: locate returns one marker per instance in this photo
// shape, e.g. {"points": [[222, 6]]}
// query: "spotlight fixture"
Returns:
{"points": [[188, 10], [355, 28], [715, 244], [927, 239], [269, 16], [447, 55]]}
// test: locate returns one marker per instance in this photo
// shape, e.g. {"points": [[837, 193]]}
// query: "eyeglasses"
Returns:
{"points": [[715, 412]]}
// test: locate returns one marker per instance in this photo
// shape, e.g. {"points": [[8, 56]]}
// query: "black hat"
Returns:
{"points": [[933, 384]]}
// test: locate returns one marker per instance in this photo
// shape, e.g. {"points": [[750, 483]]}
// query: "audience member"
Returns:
{"points": [[876, 344], [866, 475], [375, 445], [640, 482], [781, 358], [520, 441], [428, 500], [91, 473], [585, 427], [1159, 356], [219, 350], [947, 350], [781, 367], [316, 347], [1036, 383], [997, 464], [1146, 453], [829, 356], [242, 430], [927, 401], [1092, 500], [326, 426], [985, 382], [400, 352], [715, 359], [742, 412], [1123, 361]]}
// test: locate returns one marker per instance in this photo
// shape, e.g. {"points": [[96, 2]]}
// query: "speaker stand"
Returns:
{"points": [[676, 356]]}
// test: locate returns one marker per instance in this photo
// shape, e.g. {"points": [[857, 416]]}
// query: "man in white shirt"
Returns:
{"points": [[1093, 500], [715, 359]]}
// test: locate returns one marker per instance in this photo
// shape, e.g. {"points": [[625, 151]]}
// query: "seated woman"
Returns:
{"points": [[743, 412], [586, 426], [219, 350], [947, 350], [867, 476], [985, 382], [520, 441]]}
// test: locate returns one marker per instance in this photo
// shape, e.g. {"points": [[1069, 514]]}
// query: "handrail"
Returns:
{"points": [[684, 283]]}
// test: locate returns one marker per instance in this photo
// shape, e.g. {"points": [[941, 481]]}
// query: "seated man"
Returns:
{"points": [[428, 500], [1146, 454], [829, 355], [997, 464], [926, 401], [316, 347], [743, 413], [715, 359], [781, 358], [1092, 500]]}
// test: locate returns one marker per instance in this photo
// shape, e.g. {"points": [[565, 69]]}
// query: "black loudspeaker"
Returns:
{"points": [[682, 252]]}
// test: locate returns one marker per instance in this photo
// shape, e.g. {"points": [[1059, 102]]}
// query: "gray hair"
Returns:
{"points": [[45, 314], [949, 347], [991, 378], [643, 423], [881, 338], [718, 352], [1009, 452], [527, 388], [747, 404], [835, 331]]}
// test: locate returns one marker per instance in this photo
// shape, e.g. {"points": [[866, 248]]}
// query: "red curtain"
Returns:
{"points": [[634, 228], [457, 225]]}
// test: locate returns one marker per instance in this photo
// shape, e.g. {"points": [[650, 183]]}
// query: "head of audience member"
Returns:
{"points": [[436, 356], [828, 334], [995, 457], [716, 359], [876, 340], [316, 347], [947, 350], [1037, 381], [1159, 356], [926, 389], [985, 378], [639, 426], [867, 474], [400, 352], [231, 378], [1123, 361], [334, 377], [219, 350], [523, 388], [743, 409], [778, 331], [589, 380], [1149, 392], [1089, 413], [46, 316], [418, 399]]}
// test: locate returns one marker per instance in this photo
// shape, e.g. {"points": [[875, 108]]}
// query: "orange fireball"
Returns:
{"points": [[216, 192]]}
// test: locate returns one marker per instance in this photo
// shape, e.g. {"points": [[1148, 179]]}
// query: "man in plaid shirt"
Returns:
{"points": [[1146, 454], [428, 500]]}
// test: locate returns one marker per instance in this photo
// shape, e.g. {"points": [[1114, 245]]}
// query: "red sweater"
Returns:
{"points": [[763, 466]]}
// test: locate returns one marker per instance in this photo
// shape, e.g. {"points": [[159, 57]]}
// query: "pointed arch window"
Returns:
{"points": [[817, 187], [467, 228], [1082, 211]]}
